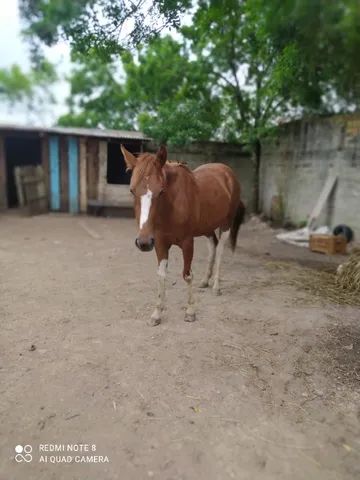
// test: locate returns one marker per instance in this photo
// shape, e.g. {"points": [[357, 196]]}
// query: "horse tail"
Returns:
{"points": [[238, 220]]}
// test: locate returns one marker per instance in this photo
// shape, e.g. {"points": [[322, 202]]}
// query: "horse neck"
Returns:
{"points": [[179, 200]]}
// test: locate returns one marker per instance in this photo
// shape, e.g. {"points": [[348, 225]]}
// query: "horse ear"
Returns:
{"points": [[130, 159], [161, 155]]}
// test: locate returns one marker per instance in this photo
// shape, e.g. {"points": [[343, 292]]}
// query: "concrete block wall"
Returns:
{"points": [[296, 164]]}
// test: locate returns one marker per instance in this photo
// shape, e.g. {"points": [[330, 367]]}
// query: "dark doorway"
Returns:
{"points": [[116, 167], [19, 151]]}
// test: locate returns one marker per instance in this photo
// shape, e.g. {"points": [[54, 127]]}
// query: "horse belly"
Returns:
{"points": [[219, 196]]}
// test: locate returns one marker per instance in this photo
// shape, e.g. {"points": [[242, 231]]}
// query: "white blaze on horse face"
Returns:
{"points": [[145, 203]]}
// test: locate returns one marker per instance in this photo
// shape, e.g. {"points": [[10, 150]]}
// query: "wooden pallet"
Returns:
{"points": [[31, 189]]}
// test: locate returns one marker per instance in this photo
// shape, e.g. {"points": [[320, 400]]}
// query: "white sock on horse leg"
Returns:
{"points": [[190, 309], [160, 304], [219, 253], [211, 259]]}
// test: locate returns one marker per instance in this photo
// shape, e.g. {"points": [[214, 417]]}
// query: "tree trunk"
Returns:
{"points": [[256, 155]]}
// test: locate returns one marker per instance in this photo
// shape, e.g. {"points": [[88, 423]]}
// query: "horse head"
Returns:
{"points": [[148, 181]]}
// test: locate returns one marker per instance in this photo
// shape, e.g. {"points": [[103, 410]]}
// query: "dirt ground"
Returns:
{"points": [[264, 385]]}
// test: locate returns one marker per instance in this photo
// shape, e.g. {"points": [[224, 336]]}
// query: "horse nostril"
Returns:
{"points": [[145, 244]]}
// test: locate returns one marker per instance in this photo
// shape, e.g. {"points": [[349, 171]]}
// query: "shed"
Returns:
{"points": [[82, 166]]}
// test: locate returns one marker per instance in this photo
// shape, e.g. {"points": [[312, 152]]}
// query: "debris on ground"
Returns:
{"points": [[89, 230], [301, 237], [256, 223]]}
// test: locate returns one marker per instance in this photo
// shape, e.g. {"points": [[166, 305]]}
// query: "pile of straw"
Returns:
{"points": [[348, 274], [321, 284]]}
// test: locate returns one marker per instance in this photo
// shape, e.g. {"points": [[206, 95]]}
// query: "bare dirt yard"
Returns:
{"points": [[264, 385]]}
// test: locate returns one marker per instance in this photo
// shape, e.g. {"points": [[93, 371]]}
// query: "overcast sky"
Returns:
{"points": [[14, 50]]}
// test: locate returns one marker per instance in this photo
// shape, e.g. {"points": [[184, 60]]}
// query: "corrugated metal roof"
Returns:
{"points": [[84, 132]]}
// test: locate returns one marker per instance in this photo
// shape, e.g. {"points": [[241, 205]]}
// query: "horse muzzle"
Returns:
{"points": [[145, 244]]}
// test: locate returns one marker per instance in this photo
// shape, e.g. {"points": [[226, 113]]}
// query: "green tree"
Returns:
{"points": [[32, 88], [325, 38], [276, 59], [254, 61], [159, 90], [15, 86], [97, 96], [104, 25]]}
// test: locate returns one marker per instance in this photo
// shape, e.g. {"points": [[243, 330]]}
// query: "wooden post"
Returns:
{"points": [[3, 181], [83, 175], [46, 164], [102, 169], [92, 168]]}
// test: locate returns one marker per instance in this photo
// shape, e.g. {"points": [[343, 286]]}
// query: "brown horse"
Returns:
{"points": [[173, 205]]}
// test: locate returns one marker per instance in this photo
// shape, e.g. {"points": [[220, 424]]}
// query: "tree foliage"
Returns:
{"points": [[160, 90], [107, 26], [325, 39], [32, 88], [238, 67]]}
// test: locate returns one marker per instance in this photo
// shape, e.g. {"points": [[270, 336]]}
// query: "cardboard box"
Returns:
{"points": [[329, 244]]}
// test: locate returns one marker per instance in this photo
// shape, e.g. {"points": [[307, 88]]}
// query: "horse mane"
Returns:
{"points": [[171, 163], [175, 163]]}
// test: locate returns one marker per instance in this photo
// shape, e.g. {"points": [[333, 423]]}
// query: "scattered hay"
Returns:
{"points": [[322, 284], [348, 274]]}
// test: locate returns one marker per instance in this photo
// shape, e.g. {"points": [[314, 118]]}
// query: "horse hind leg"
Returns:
{"points": [[224, 235], [231, 234], [212, 243]]}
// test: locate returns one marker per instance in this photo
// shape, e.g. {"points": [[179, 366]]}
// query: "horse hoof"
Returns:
{"points": [[190, 317], [152, 322], [204, 284]]}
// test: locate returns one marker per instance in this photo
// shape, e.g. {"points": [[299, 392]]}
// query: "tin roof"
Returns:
{"points": [[83, 132]]}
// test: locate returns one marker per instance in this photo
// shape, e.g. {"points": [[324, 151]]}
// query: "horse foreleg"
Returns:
{"points": [[188, 252], [162, 255], [219, 253], [212, 242]]}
